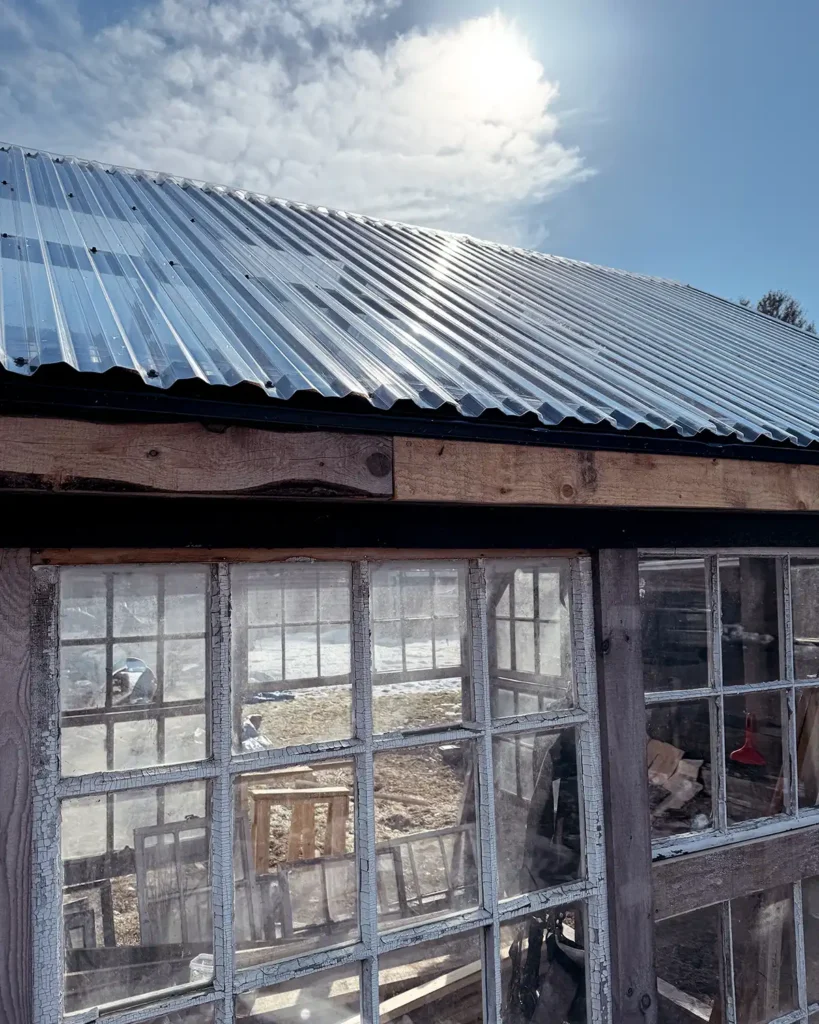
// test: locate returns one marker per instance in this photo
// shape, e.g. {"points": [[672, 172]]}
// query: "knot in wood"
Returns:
{"points": [[378, 464]]}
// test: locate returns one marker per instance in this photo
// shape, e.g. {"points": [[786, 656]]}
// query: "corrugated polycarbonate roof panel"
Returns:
{"points": [[105, 267]]}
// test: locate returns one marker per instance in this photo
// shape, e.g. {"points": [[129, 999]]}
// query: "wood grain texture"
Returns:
{"points": [[188, 458], [684, 883], [625, 787], [467, 471], [15, 788], [142, 556]]}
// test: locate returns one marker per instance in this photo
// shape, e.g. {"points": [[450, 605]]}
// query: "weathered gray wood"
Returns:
{"points": [[625, 787], [188, 458], [15, 788], [685, 883]]}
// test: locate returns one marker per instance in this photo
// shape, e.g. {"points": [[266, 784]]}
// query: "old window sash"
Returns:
{"points": [[793, 815], [223, 765], [715, 877]]}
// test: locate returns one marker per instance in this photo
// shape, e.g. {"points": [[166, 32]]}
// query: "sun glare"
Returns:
{"points": [[492, 67]]}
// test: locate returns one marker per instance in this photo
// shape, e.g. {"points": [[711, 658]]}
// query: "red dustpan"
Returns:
{"points": [[747, 753]]}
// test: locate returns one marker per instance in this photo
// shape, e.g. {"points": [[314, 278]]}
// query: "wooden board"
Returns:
{"points": [[188, 458], [683, 884], [144, 556], [625, 786], [467, 471], [15, 789]]}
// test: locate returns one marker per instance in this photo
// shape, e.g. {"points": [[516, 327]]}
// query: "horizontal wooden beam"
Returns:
{"points": [[188, 458], [471, 472], [682, 884], [144, 556]]}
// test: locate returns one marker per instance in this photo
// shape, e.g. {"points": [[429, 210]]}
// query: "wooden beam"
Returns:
{"points": [[682, 884], [470, 472], [625, 787], [15, 788], [188, 458], [141, 556]]}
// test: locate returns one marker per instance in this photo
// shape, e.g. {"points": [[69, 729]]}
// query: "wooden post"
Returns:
{"points": [[15, 788], [625, 786]]}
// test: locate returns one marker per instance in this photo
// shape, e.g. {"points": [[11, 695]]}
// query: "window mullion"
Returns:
{"points": [[788, 669], [222, 794], [487, 838], [47, 895], [364, 792], [799, 944], [727, 945], [718, 751]]}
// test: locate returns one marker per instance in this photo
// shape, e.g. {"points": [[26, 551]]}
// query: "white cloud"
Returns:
{"points": [[305, 99]]}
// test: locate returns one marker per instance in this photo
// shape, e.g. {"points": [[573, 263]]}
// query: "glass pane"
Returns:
{"points": [[291, 654], [753, 745], [805, 602], [135, 604], [440, 981], [810, 920], [764, 955], [674, 607], [678, 757], [543, 967], [425, 832], [294, 861], [114, 694], [528, 623], [420, 675], [537, 810], [82, 604], [141, 904], [328, 997], [807, 745], [750, 620], [688, 959]]}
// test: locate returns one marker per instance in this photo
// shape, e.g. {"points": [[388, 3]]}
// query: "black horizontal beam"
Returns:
{"points": [[66, 520]]}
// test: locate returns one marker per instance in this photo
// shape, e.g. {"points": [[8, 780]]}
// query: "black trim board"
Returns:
{"points": [[65, 520]]}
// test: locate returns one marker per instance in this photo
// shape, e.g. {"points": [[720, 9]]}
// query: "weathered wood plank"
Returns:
{"points": [[143, 556], [466, 471], [188, 458], [682, 884], [15, 789], [625, 788]]}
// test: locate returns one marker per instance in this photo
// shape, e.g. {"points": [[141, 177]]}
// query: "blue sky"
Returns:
{"points": [[682, 140]]}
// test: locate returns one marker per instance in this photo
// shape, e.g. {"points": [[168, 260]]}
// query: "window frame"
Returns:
{"points": [[223, 765], [722, 833]]}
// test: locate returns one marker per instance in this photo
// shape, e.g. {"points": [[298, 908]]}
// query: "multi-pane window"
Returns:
{"points": [[730, 669], [730, 666], [318, 791]]}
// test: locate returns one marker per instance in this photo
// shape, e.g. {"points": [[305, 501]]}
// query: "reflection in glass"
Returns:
{"points": [[678, 759], [753, 746], [805, 604], [807, 745], [687, 957], [132, 661], [537, 810], [291, 654], [448, 970], [425, 832], [528, 622], [764, 955], [750, 620], [295, 870], [810, 921], [674, 611], [327, 997], [543, 967], [418, 645], [141, 902]]}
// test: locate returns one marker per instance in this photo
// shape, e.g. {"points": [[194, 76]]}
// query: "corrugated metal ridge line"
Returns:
{"points": [[108, 266]]}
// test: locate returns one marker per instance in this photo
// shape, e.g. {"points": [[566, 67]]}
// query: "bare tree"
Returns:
{"points": [[783, 307]]}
